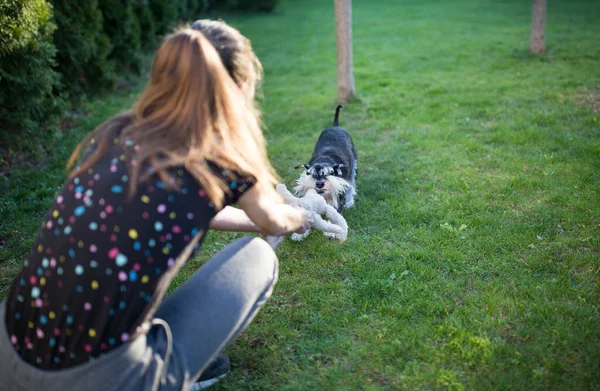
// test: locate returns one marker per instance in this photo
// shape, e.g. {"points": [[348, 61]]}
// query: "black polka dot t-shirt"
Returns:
{"points": [[99, 257]]}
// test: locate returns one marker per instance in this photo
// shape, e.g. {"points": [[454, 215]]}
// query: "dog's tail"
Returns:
{"points": [[337, 116]]}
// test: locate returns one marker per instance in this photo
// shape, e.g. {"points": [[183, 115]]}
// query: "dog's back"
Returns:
{"points": [[336, 138]]}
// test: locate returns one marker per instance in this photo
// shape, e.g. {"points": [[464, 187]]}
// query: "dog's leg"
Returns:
{"points": [[351, 192], [349, 197], [341, 202], [331, 230], [330, 235], [300, 237]]}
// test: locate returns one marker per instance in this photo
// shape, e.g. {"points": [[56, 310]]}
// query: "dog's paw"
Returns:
{"points": [[298, 237], [330, 235], [350, 199]]}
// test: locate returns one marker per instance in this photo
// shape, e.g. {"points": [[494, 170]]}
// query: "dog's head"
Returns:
{"points": [[320, 173], [325, 179]]}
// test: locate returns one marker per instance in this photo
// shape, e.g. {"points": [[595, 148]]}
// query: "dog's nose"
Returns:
{"points": [[320, 185]]}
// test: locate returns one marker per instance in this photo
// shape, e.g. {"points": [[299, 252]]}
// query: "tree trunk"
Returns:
{"points": [[343, 35], [537, 42]]}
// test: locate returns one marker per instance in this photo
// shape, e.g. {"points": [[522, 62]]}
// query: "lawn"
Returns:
{"points": [[473, 255]]}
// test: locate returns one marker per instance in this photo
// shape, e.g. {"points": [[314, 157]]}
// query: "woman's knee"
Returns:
{"points": [[262, 256]]}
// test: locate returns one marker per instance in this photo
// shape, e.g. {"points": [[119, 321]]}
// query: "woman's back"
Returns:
{"points": [[99, 257]]}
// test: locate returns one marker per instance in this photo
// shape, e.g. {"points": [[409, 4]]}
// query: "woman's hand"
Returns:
{"points": [[266, 209], [308, 220]]}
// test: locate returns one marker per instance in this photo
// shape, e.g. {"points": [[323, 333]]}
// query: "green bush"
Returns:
{"points": [[165, 14], [30, 104], [93, 37], [123, 28], [195, 8], [243, 5], [20, 23], [182, 9], [83, 47], [143, 12], [254, 5], [189, 10]]}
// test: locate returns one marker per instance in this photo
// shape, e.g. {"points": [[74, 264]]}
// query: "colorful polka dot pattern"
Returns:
{"points": [[99, 256]]}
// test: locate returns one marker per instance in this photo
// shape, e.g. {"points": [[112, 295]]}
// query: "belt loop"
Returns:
{"points": [[169, 352]]}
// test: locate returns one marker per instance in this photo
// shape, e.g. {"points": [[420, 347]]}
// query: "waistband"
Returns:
{"points": [[104, 373]]}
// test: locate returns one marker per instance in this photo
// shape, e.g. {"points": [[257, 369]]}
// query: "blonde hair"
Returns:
{"points": [[192, 113]]}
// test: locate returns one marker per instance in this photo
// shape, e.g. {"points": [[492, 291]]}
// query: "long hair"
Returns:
{"points": [[192, 113], [235, 51]]}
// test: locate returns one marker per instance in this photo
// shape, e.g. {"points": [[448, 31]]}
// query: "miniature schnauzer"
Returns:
{"points": [[332, 168]]}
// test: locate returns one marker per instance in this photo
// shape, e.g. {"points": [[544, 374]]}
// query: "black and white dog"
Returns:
{"points": [[332, 168]]}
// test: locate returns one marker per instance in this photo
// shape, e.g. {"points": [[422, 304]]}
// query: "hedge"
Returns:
{"points": [[84, 41], [253, 5], [83, 47], [29, 103], [143, 12], [123, 28], [243, 5], [166, 13]]}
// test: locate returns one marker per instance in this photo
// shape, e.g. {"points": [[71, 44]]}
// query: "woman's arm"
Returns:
{"points": [[266, 209], [233, 219]]}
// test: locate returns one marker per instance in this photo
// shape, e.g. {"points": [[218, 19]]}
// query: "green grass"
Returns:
{"points": [[473, 256]]}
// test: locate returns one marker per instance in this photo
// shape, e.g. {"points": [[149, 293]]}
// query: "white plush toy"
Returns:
{"points": [[336, 227]]}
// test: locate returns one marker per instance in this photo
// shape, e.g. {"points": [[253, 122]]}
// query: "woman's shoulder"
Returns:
{"points": [[236, 181]]}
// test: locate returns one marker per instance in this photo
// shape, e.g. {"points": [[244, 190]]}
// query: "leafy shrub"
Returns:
{"points": [[143, 12], [195, 8], [123, 28], [182, 9], [254, 5], [30, 104], [83, 47], [190, 10], [244, 5], [165, 14]]}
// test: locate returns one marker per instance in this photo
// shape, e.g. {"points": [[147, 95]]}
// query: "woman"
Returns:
{"points": [[86, 311]]}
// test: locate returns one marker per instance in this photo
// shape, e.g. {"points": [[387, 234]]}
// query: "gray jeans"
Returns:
{"points": [[189, 329]]}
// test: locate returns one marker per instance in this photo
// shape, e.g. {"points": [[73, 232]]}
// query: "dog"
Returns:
{"points": [[332, 169]]}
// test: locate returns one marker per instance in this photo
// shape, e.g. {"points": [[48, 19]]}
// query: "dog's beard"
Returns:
{"points": [[334, 187]]}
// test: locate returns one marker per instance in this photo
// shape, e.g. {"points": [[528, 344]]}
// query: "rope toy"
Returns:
{"points": [[335, 228]]}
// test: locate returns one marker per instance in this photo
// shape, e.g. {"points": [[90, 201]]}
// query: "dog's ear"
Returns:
{"points": [[305, 166], [337, 168]]}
